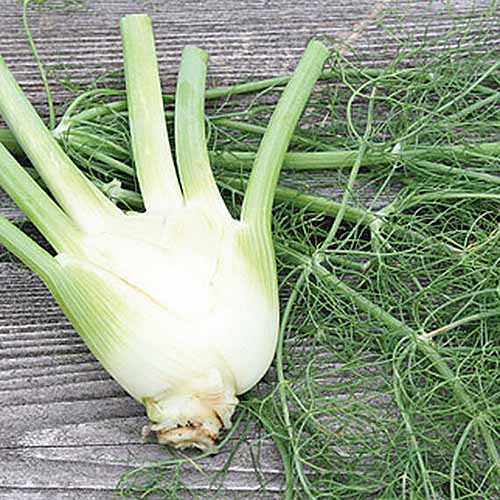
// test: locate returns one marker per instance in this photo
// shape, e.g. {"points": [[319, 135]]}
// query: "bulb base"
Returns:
{"points": [[193, 419], [192, 435]]}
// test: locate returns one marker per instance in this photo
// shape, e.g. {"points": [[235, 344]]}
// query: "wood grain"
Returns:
{"points": [[67, 431]]}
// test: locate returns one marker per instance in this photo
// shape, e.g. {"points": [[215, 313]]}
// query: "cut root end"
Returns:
{"points": [[193, 435], [194, 420]]}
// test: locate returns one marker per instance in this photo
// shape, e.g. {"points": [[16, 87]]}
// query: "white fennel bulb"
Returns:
{"points": [[179, 303]]}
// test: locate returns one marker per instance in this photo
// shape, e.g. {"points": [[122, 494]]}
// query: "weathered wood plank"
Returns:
{"points": [[67, 431], [101, 465]]}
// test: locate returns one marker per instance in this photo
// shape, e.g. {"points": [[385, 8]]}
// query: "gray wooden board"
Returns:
{"points": [[67, 431]]}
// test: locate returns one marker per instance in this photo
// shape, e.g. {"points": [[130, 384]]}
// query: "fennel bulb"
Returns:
{"points": [[179, 303]]}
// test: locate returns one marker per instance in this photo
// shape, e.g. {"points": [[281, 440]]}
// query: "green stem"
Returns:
{"points": [[153, 160], [93, 152], [236, 160], [90, 114], [456, 454], [117, 194], [352, 177], [345, 159], [409, 424], [30, 252], [258, 199], [453, 195], [460, 322], [190, 143], [473, 108], [251, 128], [78, 197], [68, 120], [8, 139], [41, 67], [446, 169], [256, 86], [51, 221], [99, 142], [312, 202], [282, 387]]}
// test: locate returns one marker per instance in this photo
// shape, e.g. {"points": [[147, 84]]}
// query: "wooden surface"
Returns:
{"points": [[67, 431]]}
